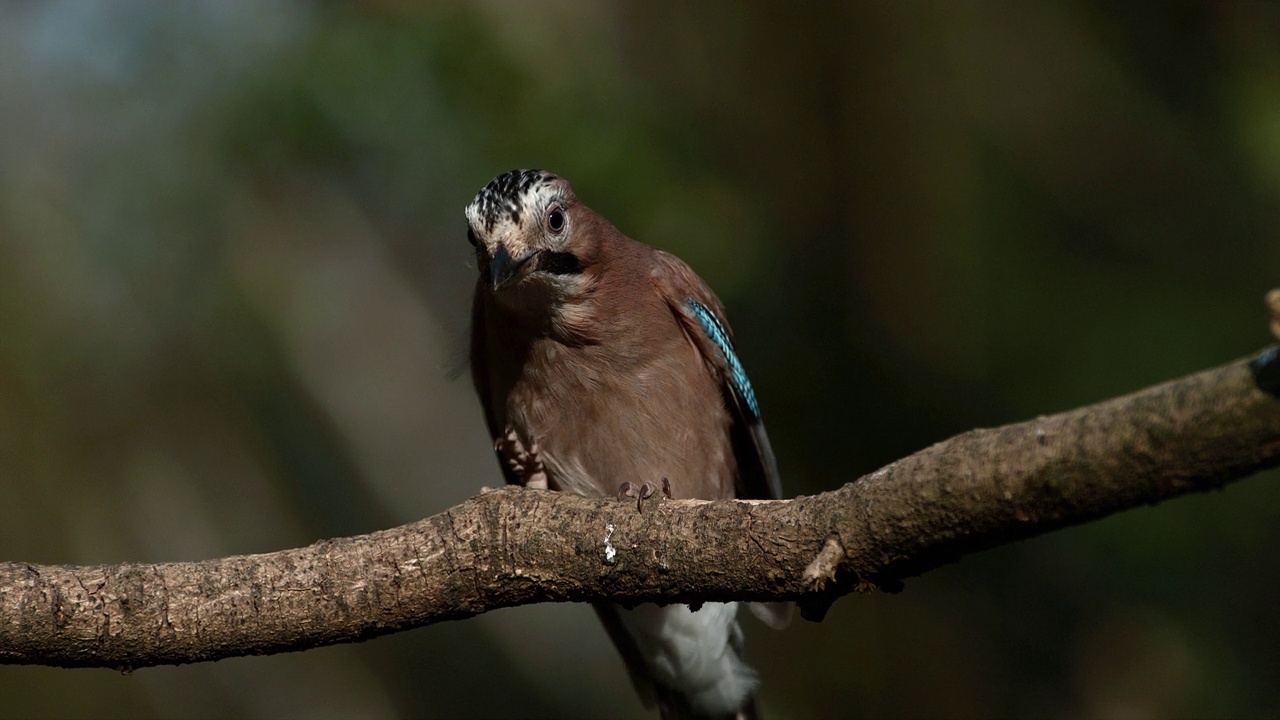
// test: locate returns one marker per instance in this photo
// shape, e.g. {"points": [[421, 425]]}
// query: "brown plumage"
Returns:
{"points": [[601, 361]]}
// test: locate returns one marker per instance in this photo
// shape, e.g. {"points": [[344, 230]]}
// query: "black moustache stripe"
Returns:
{"points": [[559, 263]]}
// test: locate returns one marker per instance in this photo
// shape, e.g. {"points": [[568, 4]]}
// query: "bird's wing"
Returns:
{"points": [[480, 376], [702, 317]]}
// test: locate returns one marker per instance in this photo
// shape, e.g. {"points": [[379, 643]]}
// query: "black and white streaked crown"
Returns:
{"points": [[509, 195]]}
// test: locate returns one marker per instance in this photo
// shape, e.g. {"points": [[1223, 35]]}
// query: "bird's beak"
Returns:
{"points": [[503, 267]]}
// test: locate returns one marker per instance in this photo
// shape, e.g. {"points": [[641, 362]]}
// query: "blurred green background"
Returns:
{"points": [[234, 289]]}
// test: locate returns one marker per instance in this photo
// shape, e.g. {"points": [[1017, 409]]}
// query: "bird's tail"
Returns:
{"points": [[688, 663]]}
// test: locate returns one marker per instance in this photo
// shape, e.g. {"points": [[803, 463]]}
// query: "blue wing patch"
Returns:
{"points": [[737, 376]]}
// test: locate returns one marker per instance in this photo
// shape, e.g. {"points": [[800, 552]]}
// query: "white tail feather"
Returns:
{"points": [[694, 654]]}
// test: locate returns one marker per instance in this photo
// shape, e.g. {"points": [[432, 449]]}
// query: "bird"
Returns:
{"points": [[605, 366]]}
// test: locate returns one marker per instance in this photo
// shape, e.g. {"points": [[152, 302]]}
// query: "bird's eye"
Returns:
{"points": [[471, 237], [555, 221]]}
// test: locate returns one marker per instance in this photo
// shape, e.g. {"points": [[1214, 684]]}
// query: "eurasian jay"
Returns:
{"points": [[598, 361]]}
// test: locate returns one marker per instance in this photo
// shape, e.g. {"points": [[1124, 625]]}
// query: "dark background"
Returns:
{"points": [[234, 288]]}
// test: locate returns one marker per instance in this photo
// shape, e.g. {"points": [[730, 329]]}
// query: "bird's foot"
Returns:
{"points": [[639, 493], [643, 491], [523, 462]]}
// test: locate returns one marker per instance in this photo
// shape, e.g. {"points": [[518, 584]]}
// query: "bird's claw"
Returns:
{"points": [[523, 462], [629, 489], [643, 492]]}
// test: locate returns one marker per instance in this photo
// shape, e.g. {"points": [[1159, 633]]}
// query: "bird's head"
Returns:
{"points": [[525, 226]]}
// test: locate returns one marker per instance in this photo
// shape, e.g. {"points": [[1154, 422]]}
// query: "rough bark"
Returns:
{"points": [[513, 546]]}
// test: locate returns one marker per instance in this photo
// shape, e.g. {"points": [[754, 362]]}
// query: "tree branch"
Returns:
{"points": [[513, 546]]}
